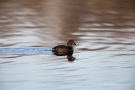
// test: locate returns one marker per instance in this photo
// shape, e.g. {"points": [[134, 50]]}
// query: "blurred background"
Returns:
{"points": [[104, 31]]}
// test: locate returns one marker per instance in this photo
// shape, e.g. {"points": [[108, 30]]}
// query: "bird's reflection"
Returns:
{"points": [[69, 55], [62, 50], [70, 58]]}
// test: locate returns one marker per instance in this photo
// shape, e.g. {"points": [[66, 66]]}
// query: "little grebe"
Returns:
{"points": [[64, 49]]}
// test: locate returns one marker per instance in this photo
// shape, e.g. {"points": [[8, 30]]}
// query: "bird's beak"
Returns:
{"points": [[74, 43]]}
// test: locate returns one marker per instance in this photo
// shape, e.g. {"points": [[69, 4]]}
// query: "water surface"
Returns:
{"points": [[104, 32]]}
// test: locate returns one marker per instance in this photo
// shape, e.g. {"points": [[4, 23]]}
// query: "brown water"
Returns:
{"points": [[104, 31]]}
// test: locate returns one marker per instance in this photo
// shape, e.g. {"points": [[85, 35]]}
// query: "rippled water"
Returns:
{"points": [[104, 32]]}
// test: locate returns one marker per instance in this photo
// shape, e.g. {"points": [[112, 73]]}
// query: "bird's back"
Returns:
{"points": [[62, 49]]}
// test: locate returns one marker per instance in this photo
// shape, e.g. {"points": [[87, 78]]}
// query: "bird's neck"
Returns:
{"points": [[69, 45]]}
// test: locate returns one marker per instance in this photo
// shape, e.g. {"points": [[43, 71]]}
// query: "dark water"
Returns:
{"points": [[104, 32]]}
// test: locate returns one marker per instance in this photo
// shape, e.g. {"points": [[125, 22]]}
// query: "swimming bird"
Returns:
{"points": [[63, 49]]}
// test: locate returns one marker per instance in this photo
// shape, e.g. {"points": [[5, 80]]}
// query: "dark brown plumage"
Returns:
{"points": [[63, 49]]}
